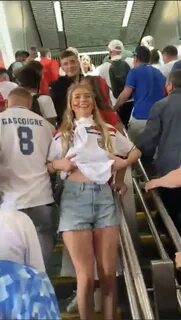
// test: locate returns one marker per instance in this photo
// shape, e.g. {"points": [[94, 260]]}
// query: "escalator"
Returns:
{"points": [[158, 242], [148, 287]]}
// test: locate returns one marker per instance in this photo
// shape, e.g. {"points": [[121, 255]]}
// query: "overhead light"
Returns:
{"points": [[58, 15], [93, 53], [127, 14]]}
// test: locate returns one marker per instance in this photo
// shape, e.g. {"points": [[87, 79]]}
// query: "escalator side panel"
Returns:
{"points": [[130, 209], [164, 289]]}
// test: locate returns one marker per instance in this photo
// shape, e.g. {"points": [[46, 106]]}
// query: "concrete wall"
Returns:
{"points": [[19, 27], [163, 24]]}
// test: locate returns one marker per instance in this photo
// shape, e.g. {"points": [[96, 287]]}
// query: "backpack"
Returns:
{"points": [[118, 72], [35, 105], [10, 73]]}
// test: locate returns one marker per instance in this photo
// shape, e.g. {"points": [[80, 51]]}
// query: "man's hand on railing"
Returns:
{"points": [[152, 184], [178, 260]]}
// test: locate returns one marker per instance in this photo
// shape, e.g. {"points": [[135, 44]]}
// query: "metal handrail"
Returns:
{"points": [[134, 308], [171, 229], [153, 229], [135, 268], [173, 233]]}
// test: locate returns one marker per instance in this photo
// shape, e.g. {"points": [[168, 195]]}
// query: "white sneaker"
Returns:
{"points": [[72, 306], [97, 300]]}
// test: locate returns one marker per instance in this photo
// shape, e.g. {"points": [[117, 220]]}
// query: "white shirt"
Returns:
{"points": [[6, 87], [25, 138], [47, 107], [17, 65], [103, 72], [157, 66], [18, 240], [167, 68], [92, 160]]}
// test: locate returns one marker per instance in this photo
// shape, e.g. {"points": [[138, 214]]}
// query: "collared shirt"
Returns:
{"points": [[25, 138], [88, 151], [163, 131]]}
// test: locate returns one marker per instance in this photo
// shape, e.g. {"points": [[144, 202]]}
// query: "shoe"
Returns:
{"points": [[97, 300], [72, 306]]}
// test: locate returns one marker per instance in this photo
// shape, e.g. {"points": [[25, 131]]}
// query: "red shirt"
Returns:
{"points": [[109, 116], [50, 73]]}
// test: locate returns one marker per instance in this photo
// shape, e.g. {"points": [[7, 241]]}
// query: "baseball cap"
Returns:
{"points": [[142, 53], [116, 45]]}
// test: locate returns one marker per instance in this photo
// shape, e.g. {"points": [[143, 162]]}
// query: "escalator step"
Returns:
{"points": [[140, 215], [149, 239], [75, 316], [58, 248], [62, 280]]}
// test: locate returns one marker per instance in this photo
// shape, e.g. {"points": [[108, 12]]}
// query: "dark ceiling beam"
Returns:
{"points": [[63, 24], [34, 20], [148, 21]]}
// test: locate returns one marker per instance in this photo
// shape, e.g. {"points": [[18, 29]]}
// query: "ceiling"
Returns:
{"points": [[90, 25]]}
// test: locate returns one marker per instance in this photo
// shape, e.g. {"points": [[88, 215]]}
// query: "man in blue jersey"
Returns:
{"points": [[147, 85]]}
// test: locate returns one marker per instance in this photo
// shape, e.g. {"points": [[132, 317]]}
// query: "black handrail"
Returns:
{"points": [[171, 229]]}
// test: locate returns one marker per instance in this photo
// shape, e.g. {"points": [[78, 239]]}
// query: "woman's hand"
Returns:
{"points": [[119, 163], [65, 164], [120, 188]]}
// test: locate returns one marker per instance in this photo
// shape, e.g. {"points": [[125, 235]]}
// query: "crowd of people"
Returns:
{"points": [[68, 124]]}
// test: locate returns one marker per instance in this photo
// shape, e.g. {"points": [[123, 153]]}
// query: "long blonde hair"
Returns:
{"points": [[68, 121]]}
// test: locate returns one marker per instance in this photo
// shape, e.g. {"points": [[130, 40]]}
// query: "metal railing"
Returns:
{"points": [[151, 224], [133, 303], [133, 263], [171, 229]]}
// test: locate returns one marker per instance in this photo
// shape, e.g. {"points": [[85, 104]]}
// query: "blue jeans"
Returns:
{"points": [[86, 206]]}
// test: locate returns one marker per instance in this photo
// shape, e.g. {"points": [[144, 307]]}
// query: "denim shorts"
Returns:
{"points": [[86, 206]]}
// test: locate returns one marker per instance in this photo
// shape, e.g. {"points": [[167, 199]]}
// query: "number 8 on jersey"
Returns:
{"points": [[25, 135]]}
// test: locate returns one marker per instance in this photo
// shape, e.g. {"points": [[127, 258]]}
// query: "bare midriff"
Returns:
{"points": [[77, 176]]}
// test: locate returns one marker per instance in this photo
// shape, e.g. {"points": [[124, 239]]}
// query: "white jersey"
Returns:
{"points": [[91, 159], [6, 87], [46, 107], [25, 138], [18, 240]]}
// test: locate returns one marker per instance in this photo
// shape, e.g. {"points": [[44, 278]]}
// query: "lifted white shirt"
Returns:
{"points": [[91, 159]]}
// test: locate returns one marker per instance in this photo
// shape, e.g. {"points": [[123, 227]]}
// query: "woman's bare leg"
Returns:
{"points": [[106, 252], [80, 247]]}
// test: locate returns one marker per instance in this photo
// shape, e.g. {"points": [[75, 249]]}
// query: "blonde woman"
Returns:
{"points": [[86, 65], [86, 152]]}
